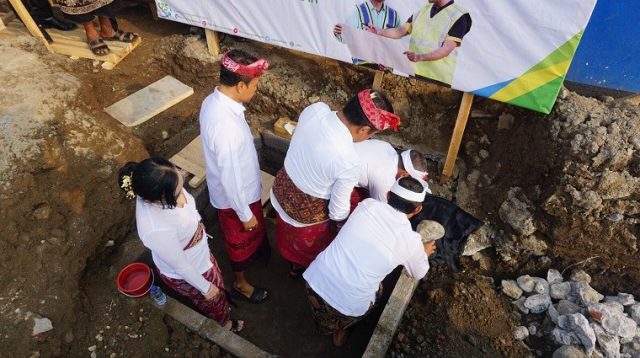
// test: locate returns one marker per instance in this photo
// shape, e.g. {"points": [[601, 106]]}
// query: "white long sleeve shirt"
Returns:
{"points": [[321, 161], [374, 241], [378, 167], [233, 171], [166, 232]]}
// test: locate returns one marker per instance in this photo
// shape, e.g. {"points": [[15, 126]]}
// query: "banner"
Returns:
{"points": [[514, 51]]}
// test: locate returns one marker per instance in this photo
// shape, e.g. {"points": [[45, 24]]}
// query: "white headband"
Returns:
{"points": [[408, 194], [416, 174]]}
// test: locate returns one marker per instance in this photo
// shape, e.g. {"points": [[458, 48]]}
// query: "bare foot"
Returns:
{"points": [[93, 35], [234, 325], [106, 28]]}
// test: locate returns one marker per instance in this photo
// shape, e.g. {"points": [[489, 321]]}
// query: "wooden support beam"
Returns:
{"points": [[212, 42], [2, 27], [31, 25], [456, 138], [377, 81]]}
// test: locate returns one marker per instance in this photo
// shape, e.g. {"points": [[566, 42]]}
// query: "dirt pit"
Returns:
{"points": [[553, 191]]}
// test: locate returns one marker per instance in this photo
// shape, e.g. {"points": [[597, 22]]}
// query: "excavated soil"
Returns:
{"points": [[553, 190]]}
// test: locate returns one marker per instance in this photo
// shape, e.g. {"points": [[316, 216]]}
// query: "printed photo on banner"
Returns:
{"points": [[515, 51]]}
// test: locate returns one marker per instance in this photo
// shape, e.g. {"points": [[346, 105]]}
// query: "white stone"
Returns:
{"points": [[542, 286], [532, 330], [567, 307], [92, 348], [553, 314], [511, 289], [560, 291], [625, 299], [580, 276], [568, 351], [634, 312], [41, 325], [607, 341], [564, 337], [526, 283], [554, 276], [538, 303], [519, 303], [613, 321], [520, 333], [586, 294], [579, 325]]}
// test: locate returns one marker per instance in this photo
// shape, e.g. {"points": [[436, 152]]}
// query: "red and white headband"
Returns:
{"points": [[421, 176], [252, 71], [407, 194], [380, 118]]}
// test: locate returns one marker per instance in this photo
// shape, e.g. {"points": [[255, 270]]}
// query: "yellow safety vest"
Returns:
{"points": [[428, 34]]}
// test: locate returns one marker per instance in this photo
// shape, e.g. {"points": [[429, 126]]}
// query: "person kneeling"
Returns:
{"points": [[344, 282]]}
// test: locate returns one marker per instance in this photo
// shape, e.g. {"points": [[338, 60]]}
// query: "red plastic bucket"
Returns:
{"points": [[135, 280]]}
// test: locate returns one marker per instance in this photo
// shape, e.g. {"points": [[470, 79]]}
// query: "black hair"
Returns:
{"points": [[228, 78], [153, 179], [401, 204], [355, 115], [417, 159]]}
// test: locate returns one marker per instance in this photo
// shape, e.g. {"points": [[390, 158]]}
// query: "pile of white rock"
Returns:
{"points": [[584, 322]]}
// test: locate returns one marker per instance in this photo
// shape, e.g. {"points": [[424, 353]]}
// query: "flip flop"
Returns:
{"points": [[235, 326], [122, 36], [97, 45], [259, 295]]}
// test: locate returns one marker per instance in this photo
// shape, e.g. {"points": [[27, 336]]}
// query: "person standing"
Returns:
{"points": [[40, 11], [436, 32], [369, 13], [232, 168], [170, 226], [311, 193], [344, 282]]}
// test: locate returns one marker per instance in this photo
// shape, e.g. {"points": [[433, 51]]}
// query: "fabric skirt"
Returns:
{"points": [[328, 319], [218, 308], [299, 205], [86, 11], [242, 246], [301, 245]]}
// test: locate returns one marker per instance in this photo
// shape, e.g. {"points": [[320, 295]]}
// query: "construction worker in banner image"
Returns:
{"points": [[436, 35], [373, 13]]}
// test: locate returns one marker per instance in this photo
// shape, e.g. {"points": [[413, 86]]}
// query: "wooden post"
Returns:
{"points": [[212, 42], [2, 27], [377, 81], [456, 138], [29, 23]]}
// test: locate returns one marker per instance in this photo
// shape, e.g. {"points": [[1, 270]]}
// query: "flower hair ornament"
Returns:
{"points": [[127, 186], [380, 118], [252, 71]]}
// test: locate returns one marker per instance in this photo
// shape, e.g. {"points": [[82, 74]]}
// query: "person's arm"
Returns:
{"points": [[417, 264], [165, 245], [353, 21], [443, 51], [340, 200], [231, 175], [393, 33]]}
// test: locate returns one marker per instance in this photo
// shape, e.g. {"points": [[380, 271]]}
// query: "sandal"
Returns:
{"points": [[235, 326], [98, 46], [122, 36], [295, 272], [259, 295]]}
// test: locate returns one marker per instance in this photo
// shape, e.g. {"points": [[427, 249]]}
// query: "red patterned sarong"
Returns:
{"points": [[300, 206], [242, 246], [358, 195], [218, 308], [301, 245]]}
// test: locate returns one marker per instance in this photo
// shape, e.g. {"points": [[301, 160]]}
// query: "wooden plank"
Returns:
{"points": [[191, 159], [212, 42], [211, 330], [149, 101], [377, 81], [391, 316], [31, 25], [281, 125], [456, 138], [2, 27], [127, 50]]}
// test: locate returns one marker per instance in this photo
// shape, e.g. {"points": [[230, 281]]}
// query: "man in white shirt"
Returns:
{"points": [[233, 171], [381, 165], [344, 281], [311, 193]]}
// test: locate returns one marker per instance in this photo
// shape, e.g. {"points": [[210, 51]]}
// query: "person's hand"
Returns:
{"points": [[372, 29], [337, 30], [212, 293], [430, 247], [412, 56], [251, 224]]}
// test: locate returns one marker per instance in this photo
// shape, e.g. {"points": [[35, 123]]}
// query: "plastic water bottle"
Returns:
{"points": [[158, 296]]}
